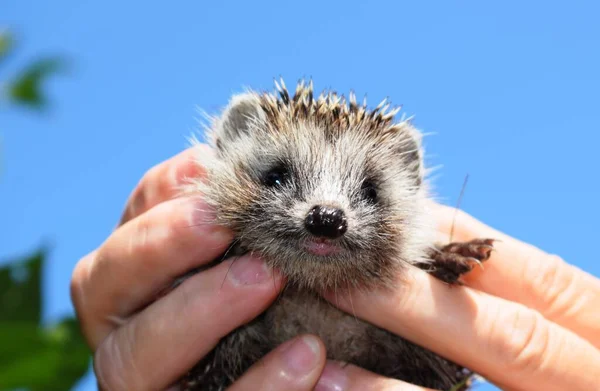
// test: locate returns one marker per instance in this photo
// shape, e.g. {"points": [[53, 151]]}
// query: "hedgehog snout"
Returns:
{"points": [[326, 221]]}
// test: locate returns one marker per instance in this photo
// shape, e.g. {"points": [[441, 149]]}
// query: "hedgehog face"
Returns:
{"points": [[331, 202]]}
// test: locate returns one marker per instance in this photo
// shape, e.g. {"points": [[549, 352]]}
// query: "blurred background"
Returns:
{"points": [[509, 91]]}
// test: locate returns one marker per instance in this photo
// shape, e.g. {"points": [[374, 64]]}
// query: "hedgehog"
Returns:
{"points": [[334, 195]]}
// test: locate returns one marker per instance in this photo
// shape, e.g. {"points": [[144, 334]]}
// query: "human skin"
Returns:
{"points": [[526, 320]]}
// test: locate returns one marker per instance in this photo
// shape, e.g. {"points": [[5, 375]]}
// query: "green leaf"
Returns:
{"points": [[18, 339], [20, 289], [26, 88], [54, 358], [6, 44]]}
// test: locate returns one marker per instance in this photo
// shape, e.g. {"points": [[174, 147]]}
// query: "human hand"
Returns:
{"points": [[144, 343], [526, 321], [114, 286]]}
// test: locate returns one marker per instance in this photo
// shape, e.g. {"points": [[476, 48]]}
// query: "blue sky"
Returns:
{"points": [[510, 90]]}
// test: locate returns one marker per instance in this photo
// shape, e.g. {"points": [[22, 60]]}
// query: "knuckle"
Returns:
{"points": [[181, 221], [170, 224], [145, 191], [164, 225], [108, 366], [178, 172], [115, 364], [521, 341], [77, 280], [78, 283], [84, 297], [549, 282], [170, 221], [210, 305], [151, 176], [534, 346], [142, 237]]}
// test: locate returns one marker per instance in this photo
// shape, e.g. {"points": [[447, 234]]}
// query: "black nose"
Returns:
{"points": [[326, 222]]}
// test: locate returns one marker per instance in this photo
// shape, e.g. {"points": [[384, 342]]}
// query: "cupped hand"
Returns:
{"points": [[146, 341], [526, 321]]}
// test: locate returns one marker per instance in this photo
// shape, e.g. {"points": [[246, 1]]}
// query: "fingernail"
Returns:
{"points": [[248, 270], [302, 355], [333, 378]]}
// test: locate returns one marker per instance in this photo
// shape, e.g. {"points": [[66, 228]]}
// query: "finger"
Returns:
{"points": [[163, 182], [522, 273], [139, 259], [293, 366], [341, 377], [506, 342], [159, 344]]}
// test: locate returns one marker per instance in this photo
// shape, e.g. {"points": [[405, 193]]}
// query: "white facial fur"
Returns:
{"points": [[329, 155]]}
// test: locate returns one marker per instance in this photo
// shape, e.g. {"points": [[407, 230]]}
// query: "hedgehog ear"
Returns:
{"points": [[410, 148], [240, 116]]}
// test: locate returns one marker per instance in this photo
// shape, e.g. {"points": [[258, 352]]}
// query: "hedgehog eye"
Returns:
{"points": [[277, 176], [369, 191]]}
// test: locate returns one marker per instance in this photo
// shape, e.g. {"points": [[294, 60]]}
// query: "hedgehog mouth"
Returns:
{"points": [[321, 247]]}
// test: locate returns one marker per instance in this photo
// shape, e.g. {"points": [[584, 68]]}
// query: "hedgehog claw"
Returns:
{"points": [[455, 259]]}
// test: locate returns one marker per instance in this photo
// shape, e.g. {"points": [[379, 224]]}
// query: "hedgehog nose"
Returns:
{"points": [[326, 222]]}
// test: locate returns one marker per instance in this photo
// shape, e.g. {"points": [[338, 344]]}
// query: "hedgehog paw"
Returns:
{"points": [[451, 261]]}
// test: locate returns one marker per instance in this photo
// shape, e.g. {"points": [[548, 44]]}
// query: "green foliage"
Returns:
{"points": [[19, 293], [26, 88], [33, 356], [6, 43]]}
